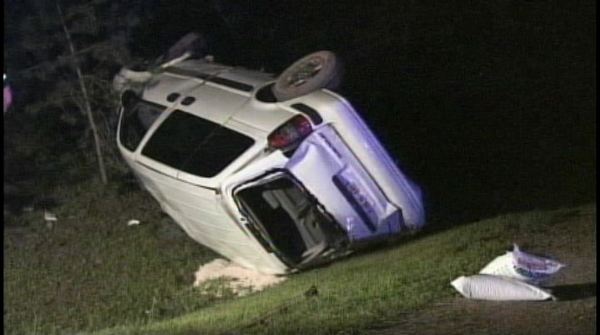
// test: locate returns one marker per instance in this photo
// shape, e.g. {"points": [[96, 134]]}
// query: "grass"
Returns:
{"points": [[91, 270], [94, 273]]}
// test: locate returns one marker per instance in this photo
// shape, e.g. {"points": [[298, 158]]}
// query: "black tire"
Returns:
{"points": [[321, 69], [190, 42]]}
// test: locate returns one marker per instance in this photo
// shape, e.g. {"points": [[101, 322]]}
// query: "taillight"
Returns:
{"points": [[290, 133]]}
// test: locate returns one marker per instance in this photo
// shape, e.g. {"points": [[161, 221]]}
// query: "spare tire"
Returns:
{"points": [[321, 69]]}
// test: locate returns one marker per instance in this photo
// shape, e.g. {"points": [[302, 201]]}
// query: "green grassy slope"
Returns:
{"points": [[92, 271]]}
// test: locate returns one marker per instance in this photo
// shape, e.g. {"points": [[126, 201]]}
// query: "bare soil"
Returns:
{"points": [[573, 241]]}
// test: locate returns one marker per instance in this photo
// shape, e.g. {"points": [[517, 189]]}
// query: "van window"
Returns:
{"points": [[195, 145], [137, 119]]}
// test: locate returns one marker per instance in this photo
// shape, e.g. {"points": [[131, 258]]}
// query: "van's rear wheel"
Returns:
{"points": [[192, 42], [321, 69]]}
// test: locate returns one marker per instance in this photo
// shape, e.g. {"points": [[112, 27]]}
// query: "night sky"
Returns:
{"points": [[490, 106]]}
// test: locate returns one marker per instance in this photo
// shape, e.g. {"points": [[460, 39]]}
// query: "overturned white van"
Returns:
{"points": [[276, 174]]}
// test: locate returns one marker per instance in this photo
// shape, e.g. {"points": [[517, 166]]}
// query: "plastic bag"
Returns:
{"points": [[523, 266], [489, 287]]}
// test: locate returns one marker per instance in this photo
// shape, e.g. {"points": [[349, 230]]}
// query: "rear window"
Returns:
{"points": [[137, 119], [195, 145]]}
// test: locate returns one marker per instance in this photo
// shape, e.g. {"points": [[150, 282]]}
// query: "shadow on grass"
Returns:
{"points": [[574, 291]]}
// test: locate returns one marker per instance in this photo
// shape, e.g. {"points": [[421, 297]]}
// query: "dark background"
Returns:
{"points": [[489, 106]]}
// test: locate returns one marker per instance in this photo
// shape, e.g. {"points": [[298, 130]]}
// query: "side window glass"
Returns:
{"points": [[195, 145], [138, 117]]}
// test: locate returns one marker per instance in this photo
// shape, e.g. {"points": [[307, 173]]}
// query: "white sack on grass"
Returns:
{"points": [[486, 287], [523, 266], [535, 267], [502, 266]]}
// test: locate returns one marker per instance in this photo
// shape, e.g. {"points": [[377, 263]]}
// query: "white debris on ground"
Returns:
{"points": [[133, 222], [50, 219], [238, 279], [499, 288], [523, 266], [512, 276]]}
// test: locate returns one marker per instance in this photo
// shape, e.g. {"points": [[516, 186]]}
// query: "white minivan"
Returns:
{"points": [[272, 173]]}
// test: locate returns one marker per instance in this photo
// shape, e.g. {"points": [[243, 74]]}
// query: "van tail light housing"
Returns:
{"points": [[291, 133]]}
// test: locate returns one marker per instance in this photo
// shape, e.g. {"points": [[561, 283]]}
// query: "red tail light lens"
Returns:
{"points": [[290, 133]]}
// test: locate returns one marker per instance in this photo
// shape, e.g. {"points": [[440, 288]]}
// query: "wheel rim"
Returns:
{"points": [[307, 70]]}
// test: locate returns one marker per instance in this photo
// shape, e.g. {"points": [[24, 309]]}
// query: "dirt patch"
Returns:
{"points": [[572, 241], [238, 279]]}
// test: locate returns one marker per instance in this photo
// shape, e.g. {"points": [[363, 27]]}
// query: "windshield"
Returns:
{"points": [[137, 117], [291, 220]]}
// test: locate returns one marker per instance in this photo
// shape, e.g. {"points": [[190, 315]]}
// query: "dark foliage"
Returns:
{"points": [[490, 106]]}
